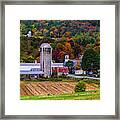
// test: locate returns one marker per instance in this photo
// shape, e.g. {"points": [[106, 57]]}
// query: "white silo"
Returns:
{"points": [[46, 59]]}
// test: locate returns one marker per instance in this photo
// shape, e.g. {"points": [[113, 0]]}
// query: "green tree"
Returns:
{"points": [[91, 60], [69, 64], [80, 87]]}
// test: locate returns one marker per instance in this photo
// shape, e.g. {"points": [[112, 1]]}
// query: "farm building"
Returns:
{"points": [[46, 67]]}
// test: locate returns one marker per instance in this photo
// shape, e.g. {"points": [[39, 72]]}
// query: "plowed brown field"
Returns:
{"points": [[50, 88]]}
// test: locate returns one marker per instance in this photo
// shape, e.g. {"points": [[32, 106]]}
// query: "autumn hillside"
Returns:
{"points": [[72, 37]]}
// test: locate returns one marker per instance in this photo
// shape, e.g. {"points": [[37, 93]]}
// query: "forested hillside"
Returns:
{"points": [[72, 37]]}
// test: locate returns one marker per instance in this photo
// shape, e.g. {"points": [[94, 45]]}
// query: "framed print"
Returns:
{"points": [[60, 59]]}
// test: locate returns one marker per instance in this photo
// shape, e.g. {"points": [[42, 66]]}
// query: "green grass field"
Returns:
{"points": [[87, 95]]}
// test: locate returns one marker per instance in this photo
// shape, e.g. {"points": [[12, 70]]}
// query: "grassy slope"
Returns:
{"points": [[88, 95]]}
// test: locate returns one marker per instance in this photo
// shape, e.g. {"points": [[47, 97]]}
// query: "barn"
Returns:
{"points": [[46, 67]]}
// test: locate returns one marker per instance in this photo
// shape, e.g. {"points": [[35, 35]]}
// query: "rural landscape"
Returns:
{"points": [[60, 60]]}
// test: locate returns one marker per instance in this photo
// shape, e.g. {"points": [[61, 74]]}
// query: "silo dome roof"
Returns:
{"points": [[45, 45]]}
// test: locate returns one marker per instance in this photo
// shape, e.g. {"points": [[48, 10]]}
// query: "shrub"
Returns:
{"points": [[80, 87]]}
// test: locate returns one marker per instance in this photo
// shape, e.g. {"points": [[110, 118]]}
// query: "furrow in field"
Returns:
{"points": [[67, 87], [62, 88], [56, 89], [44, 91], [26, 90], [29, 89], [48, 87], [22, 92], [33, 90], [70, 85], [37, 88]]}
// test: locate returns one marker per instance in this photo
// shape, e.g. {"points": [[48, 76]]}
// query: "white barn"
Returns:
{"points": [[45, 66], [34, 68]]}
